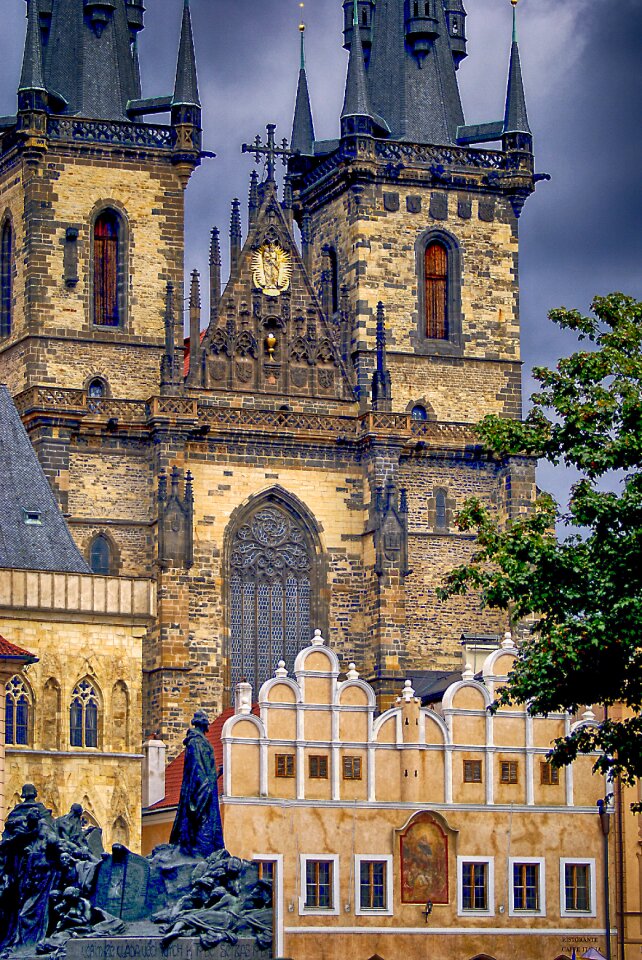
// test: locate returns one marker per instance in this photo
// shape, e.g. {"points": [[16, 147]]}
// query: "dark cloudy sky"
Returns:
{"points": [[581, 234]]}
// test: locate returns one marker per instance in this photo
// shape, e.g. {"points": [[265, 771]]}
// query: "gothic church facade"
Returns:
{"points": [[297, 462]]}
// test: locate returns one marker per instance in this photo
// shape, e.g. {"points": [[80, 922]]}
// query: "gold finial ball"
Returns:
{"points": [[514, 2], [302, 24]]}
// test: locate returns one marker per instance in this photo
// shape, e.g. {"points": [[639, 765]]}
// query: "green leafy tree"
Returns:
{"points": [[582, 592]]}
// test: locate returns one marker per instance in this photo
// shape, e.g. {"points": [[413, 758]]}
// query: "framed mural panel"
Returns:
{"points": [[424, 861]]}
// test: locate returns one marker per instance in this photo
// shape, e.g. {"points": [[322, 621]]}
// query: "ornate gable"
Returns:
{"points": [[270, 335]]}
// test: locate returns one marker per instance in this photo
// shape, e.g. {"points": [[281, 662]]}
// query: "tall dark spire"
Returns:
{"points": [[236, 236], [32, 78], [186, 86], [411, 73], [356, 116], [381, 380], [515, 117], [215, 273], [88, 60], [303, 127]]}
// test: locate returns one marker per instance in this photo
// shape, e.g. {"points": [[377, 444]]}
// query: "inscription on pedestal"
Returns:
{"points": [[146, 948]]}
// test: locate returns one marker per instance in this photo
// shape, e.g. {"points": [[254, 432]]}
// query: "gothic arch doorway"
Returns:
{"points": [[275, 576]]}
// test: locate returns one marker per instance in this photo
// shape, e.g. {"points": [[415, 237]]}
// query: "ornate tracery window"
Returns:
{"points": [[17, 710], [83, 715], [272, 565]]}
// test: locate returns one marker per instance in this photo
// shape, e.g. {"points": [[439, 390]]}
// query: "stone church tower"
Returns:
{"points": [[298, 464]]}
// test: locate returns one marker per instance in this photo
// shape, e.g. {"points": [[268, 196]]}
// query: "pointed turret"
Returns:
{"points": [[186, 86], [356, 116], [32, 78], [515, 117], [303, 126]]}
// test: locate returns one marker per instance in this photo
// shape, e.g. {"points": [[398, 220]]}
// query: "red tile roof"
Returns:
{"points": [[187, 352], [9, 651], [174, 771]]}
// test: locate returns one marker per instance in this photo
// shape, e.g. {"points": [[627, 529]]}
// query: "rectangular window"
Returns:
{"points": [[318, 768], [526, 886], [373, 885], [509, 771], [285, 765], [577, 886], [352, 768], [472, 771], [549, 775], [474, 886], [318, 884]]}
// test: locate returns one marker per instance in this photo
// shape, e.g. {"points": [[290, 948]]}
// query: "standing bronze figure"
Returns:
{"points": [[197, 828]]}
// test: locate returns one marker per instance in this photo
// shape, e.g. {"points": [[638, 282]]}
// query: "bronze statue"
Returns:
{"points": [[197, 828]]}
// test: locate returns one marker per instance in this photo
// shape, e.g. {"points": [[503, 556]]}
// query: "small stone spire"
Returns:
{"points": [[236, 236], [195, 329], [186, 86], [215, 274], [381, 381], [302, 140], [356, 116], [253, 204], [168, 363], [516, 116], [32, 77]]}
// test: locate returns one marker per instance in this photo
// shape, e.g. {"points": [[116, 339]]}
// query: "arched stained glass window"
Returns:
{"points": [[17, 710], [83, 715], [107, 269], [436, 291], [100, 556], [6, 278], [271, 573]]}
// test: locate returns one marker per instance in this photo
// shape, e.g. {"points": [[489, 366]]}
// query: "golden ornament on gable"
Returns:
{"points": [[271, 269]]}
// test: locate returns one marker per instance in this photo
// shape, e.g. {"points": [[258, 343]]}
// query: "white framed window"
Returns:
{"points": [[319, 885], [577, 887], [527, 882], [373, 880], [476, 886]]}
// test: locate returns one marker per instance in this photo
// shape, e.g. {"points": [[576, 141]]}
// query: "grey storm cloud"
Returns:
{"points": [[581, 234]]}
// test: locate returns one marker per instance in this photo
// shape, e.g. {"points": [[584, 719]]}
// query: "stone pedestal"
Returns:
{"points": [[149, 948]]}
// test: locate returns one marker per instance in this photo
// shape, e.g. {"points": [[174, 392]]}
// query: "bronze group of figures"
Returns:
{"points": [[57, 882]]}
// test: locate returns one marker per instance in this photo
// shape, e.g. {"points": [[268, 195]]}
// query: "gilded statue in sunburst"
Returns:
{"points": [[272, 269]]}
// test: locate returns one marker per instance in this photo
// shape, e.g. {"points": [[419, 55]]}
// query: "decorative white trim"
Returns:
{"points": [[541, 893], [279, 915], [590, 863], [335, 909], [490, 911], [386, 911]]}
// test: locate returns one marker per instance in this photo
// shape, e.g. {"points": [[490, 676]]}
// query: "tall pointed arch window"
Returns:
{"points": [[6, 277], [108, 269], [272, 564], [17, 712], [83, 715], [436, 291]]}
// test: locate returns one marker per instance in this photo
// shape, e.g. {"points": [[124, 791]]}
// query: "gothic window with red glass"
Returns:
{"points": [[436, 291], [107, 268]]}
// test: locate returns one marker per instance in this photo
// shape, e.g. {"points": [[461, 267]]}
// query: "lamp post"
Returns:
{"points": [[605, 824]]}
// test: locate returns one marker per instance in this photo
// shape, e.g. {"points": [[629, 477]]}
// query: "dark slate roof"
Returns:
{"points": [[419, 105], [94, 71], [32, 77], [186, 86], [47, 543]]}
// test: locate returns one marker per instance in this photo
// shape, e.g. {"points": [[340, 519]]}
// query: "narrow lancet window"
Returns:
{"points": [[107, 269], [6, 278], [436, 287]]}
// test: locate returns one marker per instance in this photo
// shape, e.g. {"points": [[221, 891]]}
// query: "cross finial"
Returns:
{"points": [[270, 151]]}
